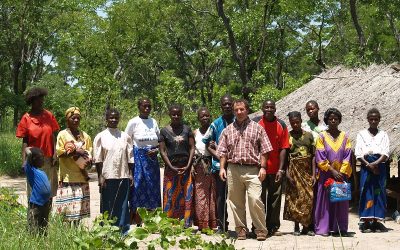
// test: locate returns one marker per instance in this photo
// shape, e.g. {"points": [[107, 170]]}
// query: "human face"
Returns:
{"points": [[226, 106], [112, 120], [145, 108], [38, 103], [240, 111], [204, 118], [295, 123], [176, 116], [269, 110], [74, 121], [312, 110], [373, 120], [333, 121]]}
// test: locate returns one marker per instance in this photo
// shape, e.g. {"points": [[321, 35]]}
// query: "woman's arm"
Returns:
{"points": [[164, 156]]}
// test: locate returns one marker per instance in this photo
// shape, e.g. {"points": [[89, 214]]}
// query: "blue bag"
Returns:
{"points": [[340, 191]]}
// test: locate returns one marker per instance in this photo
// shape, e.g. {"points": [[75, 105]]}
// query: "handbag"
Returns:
{"points": [[340, 191]]}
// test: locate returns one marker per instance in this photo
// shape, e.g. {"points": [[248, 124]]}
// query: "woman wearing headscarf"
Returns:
{"points": [[37, 128], [372, 150], [74, 149], [333, 153]]}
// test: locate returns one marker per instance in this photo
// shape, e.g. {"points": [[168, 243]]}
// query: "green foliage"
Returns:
{"points": [[10, 154], [16, 235], [270, 92]]}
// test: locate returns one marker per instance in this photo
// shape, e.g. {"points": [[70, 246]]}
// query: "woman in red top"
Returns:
{"points": [[36, 129]]}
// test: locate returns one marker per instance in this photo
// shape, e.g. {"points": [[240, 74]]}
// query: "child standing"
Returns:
{"points": [[39, 201]]}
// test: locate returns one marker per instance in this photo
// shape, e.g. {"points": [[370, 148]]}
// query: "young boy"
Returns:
{"points": [[39, 201]]}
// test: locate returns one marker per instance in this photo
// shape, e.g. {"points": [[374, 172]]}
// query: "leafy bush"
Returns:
{"points": [[10, 154]]}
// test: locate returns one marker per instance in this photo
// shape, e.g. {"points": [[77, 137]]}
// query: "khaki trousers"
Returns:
{"points": [[244, 180]]}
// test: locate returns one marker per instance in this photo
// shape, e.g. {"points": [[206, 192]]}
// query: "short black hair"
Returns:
{"points": [[34, 93], [313, 102], [331, 111], [141, 100], [32, 155], [268, 100], [226, 96], [110, 111], [175, 106], [244, 101], [201, 109], [294, 114], [373, 111]]}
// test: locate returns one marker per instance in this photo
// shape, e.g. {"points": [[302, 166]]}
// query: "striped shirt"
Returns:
{"points": [[243, 144]]}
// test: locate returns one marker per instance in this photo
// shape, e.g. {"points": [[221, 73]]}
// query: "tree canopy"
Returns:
{"points": [[99, 53]]}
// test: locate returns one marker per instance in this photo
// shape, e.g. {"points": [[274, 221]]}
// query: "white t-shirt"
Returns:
{"points": [[113, 148], [367, 144], [199, 144], [144, 132]]}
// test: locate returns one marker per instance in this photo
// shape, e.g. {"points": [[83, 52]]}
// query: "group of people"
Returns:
{"points": [[208, 168]]}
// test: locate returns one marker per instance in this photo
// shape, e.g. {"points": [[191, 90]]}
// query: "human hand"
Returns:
{"points": [[290, 179], [102, 181], [278, 176], [314, 180], [337, 175], [152, 153], [213, 145], [222, 174], [373, 167], [262, 174], [183, 170]]}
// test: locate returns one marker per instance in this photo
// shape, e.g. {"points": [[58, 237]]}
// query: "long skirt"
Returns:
{"points": [[114, 199], [204, 198], [73, 201], [372, 191], [329, 216], [177, 195], [299, 197], [146, 173]]}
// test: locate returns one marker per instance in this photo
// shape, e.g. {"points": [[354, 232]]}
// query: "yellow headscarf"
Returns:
{"points": [[72, 111]]}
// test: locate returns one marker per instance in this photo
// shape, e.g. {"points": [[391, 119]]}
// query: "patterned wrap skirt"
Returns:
{"points": [[73, 201], [372, 191], [178, 195], [146, 191], [299, 197], [204, 194]]}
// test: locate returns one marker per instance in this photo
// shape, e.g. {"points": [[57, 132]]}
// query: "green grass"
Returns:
{"points": [[10, 154], [14, 233]]}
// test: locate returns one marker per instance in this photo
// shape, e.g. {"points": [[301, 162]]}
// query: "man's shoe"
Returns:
{"points": [[241, 233], [261, 236]]}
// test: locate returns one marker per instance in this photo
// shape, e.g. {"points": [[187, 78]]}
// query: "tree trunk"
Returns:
{"points": [[234, 50], [395, 31], [357, 26], [280, 59]]}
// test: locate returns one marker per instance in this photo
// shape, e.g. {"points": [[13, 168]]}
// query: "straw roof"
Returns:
{"points": [[353, 92]]}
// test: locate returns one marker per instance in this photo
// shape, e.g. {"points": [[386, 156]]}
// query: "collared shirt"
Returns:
{"points": [[315, 129], [213, 134], [113, 148], [243, 144], [278, 135]]}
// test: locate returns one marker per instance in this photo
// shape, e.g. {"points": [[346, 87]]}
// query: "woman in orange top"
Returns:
{"points": [[37, 128]]}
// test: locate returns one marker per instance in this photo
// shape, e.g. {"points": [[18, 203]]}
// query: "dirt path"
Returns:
{"points": [[388, 240]]}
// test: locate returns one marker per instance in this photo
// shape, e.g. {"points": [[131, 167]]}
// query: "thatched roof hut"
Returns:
{"points": [[353, 92]]}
